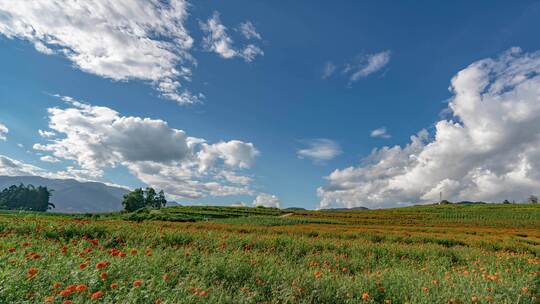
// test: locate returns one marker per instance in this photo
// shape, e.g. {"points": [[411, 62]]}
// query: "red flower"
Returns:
{"points": [[97, 294], [81, 288]]}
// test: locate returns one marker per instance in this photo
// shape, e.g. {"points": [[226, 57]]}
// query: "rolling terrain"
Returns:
{"points": [[423, 254]]}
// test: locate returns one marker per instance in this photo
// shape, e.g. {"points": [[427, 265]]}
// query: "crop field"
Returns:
{"points": [[424, 254]]}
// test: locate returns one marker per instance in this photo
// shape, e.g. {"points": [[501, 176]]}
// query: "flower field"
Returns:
{"points": [[428, 254]]}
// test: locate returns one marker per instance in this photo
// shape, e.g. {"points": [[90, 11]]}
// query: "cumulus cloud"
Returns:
{"points": [[380, 132], [97, 138], [489, 151], [267, 200], [120, 40], [217, 40], [319, 150], [12, 167], [46, 134], [3, 131], [49, 159]]}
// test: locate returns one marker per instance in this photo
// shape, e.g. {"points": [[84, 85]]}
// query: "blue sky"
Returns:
{"points": [[273, 103]]}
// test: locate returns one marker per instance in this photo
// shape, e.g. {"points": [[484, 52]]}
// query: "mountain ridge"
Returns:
{"points": [[72, 196]]}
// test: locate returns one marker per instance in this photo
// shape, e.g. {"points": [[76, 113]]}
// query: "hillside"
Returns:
{"points": [[71, 196]]}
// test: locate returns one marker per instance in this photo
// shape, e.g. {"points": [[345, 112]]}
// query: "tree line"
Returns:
{"points": [[140, 198], [28, 197]]}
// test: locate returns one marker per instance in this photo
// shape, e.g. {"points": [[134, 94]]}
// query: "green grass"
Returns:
{"points": [[424, 254]]}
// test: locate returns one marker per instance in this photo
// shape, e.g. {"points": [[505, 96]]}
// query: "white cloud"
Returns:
{"points": [[97, 138], [12, 167], [267, 200], [49, 159], [367, 65], [320, 149], [46, 134], [249, 31], [3, 131], [250, 52], [328, 70], [380, 132], [217, 40], [120, 40], [491, 151], [236, 179]]}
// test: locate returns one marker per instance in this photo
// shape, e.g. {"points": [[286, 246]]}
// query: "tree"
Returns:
{"points": [[26, 198], [140, 198], [134, 200], [506, 202], [150, 197], [533, 199], [160, 200]]}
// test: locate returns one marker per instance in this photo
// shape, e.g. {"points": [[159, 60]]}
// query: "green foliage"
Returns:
{"points": [[140, 198], [26, 198], [243, 259], [199, 213]]}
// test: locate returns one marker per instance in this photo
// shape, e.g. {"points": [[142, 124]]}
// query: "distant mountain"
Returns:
{"points": [[345, 209], [72, 196]]}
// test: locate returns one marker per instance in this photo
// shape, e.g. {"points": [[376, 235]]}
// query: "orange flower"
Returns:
{"points": [[525, 290], [94, 242], [32, 272], [65, 293], [67, 302], [12, 249], [203, 293], [317, 274], [475, 299], [100, 265], [133, 251], [48, 299], [114, 286], [71, 288], [435, 282], [57, 285], [365, 296], [165, 277], [81, 288], [97, 294], [103, 275], [82, 266], [137, 283], [425, 289]]}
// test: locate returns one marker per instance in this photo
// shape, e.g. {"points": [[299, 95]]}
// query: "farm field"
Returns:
{"points": [[422, 254]]}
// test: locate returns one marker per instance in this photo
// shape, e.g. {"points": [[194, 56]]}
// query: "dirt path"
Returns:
{"points": [[286, 215]]}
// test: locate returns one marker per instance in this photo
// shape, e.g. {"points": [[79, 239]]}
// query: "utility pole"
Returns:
{"points": [[440, 197]]}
